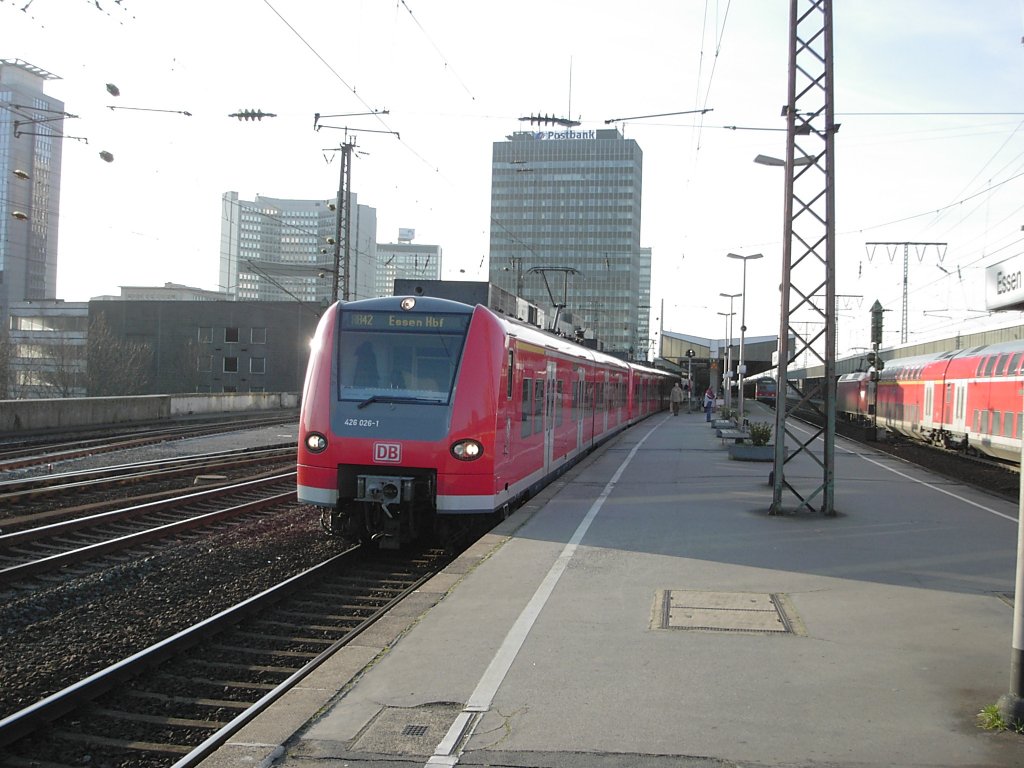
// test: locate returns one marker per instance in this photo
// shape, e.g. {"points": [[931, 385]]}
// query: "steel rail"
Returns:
{"points": [[33, 717], [52, 562], [217, 739], [10, 488], [42, 453], [66, 526]]}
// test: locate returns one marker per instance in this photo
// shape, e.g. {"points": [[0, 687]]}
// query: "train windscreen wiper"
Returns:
{"points": [[405, 400]]}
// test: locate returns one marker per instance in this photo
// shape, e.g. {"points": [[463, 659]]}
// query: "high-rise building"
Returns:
{"points": [[31, 126], [406, 260], [644, 344], [275, 250], [565, 229]]}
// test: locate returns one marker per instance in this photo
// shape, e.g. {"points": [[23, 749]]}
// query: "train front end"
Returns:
{"points": [[376, 430]]}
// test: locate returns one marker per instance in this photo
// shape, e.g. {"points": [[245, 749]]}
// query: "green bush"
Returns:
{"points": [[760, 433]]}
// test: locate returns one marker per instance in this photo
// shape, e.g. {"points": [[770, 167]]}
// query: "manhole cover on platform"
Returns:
{"points": [[407, 731], [725, 612]]}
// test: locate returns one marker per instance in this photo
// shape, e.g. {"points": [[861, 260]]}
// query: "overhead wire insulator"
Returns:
{"points": [[251, 114]]}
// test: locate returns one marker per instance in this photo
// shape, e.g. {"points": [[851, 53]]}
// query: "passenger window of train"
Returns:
{"points": [[230, 335], [1020, 417], [990, 364], [205, 335], [1014, 366], [511, 370], [538, 405], [258, 335], [1001, 366], [526, 410], [558, 403], [1007, 424]]}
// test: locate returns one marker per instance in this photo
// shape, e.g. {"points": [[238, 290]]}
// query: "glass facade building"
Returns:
{"points": [[274, 249], [570, 200], [406, 261], [31, 126]]}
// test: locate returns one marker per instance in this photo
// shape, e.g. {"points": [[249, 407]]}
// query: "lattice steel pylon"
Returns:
{"points": [[807, 327]]}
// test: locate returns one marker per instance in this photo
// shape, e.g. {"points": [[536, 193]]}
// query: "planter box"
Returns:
{"points": [[747, 452]]}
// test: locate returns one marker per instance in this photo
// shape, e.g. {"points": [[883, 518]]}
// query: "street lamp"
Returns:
{"points": [[742, 368], [725, 359], [728, 364], [778, 161]]}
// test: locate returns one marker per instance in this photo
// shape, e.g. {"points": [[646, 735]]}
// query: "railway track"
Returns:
{"points": [[175, 702], [995, 477], [18, 497], [46, 548], [42, 450]]}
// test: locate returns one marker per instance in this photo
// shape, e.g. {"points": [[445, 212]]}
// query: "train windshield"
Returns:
{"points": [[399, 357]]}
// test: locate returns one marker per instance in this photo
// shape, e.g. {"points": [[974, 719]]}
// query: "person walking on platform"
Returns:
{"points": [[676, 399], [709, 403]]}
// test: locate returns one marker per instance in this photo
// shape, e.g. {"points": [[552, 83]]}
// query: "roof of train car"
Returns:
{"points": [[515, 327]]}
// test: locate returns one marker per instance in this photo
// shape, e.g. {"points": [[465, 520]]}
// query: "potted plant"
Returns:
{"points": [[759, 449], [760, 433]]}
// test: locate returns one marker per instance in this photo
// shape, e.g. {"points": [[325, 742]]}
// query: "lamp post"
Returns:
{"points": [[728, 363], [742, 368], [725, 356]]}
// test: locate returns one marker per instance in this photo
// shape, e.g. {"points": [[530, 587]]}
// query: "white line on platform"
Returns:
{"points": [[481, 698]]}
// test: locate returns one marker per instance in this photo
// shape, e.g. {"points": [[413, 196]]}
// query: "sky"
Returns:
{"points": [[929, 95]]}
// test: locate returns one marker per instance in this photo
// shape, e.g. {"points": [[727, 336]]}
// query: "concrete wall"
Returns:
{"points": [[74, 413], [185, 405]]}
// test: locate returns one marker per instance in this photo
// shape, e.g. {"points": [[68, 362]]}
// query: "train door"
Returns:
{"points": [[581, 405], [603, 404], [956, 413], [550, 405]]}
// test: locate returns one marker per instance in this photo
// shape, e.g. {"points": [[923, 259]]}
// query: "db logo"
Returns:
{"points": [[390, 452]]}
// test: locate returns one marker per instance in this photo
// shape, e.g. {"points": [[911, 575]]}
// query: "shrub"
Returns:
{"points": [[760, 433]]}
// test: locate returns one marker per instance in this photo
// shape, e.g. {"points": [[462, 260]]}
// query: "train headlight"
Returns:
{"points": [[467, 450], [315, 442]]}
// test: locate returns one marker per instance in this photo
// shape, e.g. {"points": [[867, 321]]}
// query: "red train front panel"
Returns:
{"points": [[386, 417]]}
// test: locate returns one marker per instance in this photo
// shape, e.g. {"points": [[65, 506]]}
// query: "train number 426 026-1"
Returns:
{"points": [[362, 423]]}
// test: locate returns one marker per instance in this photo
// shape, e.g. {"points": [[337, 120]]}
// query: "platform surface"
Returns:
{"points": [[646, 611]]}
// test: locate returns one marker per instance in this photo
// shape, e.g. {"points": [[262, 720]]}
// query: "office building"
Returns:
{"points": [[47, 354], [31, 126], [277, 250], [644, 341], [405, 260], [565, 229]]}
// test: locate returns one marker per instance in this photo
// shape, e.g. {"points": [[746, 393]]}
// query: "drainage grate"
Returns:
{"points": [[415, 730], [763, 613]]}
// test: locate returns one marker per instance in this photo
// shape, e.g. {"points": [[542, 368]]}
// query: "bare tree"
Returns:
{"points": [[61, 368], [116, 366]]}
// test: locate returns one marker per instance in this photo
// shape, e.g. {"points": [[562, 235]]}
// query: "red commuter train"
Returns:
{"points": [[969, 399], [421, 414]]}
